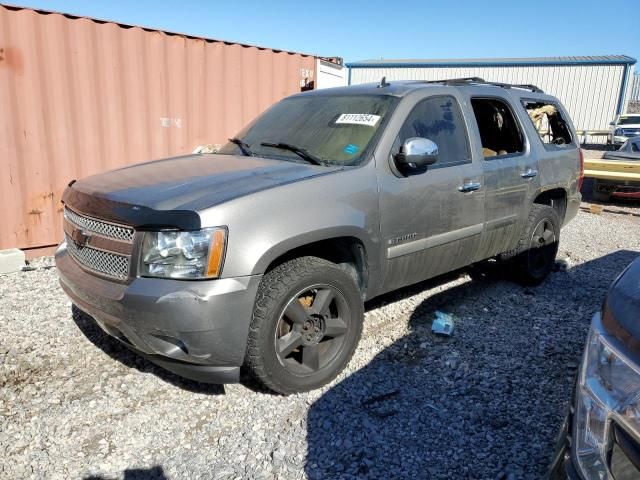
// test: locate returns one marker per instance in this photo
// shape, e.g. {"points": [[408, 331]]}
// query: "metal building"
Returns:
{"points": [[635, 89], [80, 95], [593, 89]]}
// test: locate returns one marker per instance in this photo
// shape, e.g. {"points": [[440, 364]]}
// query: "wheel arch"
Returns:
{"points": [[345, 247], [555, 197]]}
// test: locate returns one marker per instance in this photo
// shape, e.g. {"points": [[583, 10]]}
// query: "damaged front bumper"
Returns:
{"points": [[196, 329]]}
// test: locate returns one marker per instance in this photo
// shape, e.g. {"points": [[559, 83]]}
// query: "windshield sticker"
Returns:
{"points": [[351, 149], [358, 119]]}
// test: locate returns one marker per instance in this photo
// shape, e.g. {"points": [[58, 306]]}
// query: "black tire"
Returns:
{"points": [[330, 331], [599, 195], [535, 254], [491, 269]]}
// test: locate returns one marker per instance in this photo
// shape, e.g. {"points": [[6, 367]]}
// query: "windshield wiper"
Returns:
{"points": [[244, 148], [301, 152]]}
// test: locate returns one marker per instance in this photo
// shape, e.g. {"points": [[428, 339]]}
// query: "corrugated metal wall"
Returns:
{"points": [[635, 89], [590, 92], [80, 96], [330, 75]]}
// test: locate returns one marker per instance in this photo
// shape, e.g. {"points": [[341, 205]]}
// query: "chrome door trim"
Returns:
{"points": [[433, 241]]}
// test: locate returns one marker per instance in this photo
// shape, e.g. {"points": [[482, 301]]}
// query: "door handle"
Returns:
{"points": [[469, 187], [529, 173]]}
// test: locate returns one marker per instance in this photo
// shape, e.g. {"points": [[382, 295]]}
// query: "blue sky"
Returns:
{"points": [[359, 30]]}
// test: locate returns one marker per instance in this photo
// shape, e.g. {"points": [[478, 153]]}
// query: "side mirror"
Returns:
{"points": [[416, 152], [612, 123]]}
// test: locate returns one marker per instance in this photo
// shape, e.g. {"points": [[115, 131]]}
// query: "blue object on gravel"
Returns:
{"points": [[442, 324]]}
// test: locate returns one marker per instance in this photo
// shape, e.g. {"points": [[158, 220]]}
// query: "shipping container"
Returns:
{"points": [[79, 96]]}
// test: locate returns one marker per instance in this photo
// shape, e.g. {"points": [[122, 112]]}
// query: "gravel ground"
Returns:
{"points": [[594, 151], [484, 403]]}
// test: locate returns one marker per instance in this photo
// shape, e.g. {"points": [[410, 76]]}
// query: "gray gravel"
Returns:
{"points": [[485, 403]]}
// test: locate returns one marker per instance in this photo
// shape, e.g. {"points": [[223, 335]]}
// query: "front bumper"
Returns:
{"points": [[196, 329], [562, 466]]}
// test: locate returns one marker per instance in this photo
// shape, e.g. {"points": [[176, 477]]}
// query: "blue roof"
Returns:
{"points": [[496, 62]]}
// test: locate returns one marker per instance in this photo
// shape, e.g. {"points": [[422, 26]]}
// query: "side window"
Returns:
{"points": [[499, 132], [635, 147], [548, 121], [440, 120]]}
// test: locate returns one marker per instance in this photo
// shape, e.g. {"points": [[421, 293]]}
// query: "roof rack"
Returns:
{"points": [[482, 81]]}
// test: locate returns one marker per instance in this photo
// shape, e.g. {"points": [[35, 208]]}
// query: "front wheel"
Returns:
{"points": [[538, 246], [306, 324]]}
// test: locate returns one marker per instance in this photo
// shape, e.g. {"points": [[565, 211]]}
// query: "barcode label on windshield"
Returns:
{"points": [[359, 119]]}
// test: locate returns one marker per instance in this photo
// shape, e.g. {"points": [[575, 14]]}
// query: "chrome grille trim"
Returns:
{"points": [[100, 227], [100, 261], [103, 261], [630, 132]]}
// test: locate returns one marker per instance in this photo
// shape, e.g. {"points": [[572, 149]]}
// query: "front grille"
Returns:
{"points": [[107, 263], [627, 132], [99, 246], [100, 227]]}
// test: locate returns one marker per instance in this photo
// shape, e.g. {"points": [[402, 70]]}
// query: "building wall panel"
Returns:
{"points": [[80, 96], [635, 88], [589, 92]]}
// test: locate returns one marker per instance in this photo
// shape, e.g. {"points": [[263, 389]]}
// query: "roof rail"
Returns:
{"points": [[482, 81]]}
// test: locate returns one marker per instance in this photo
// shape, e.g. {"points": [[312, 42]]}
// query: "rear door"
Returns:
{"points": [[511, 176], [428, 223]]}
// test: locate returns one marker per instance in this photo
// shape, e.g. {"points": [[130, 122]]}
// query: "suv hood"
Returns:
{"points": [[623, 303], [188, 183]]}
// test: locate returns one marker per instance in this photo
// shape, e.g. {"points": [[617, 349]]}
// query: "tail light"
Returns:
{"points": [[581, 176]]}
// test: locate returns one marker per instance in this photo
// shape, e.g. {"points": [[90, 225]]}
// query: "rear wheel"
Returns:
{"points": [[538, 246], [306, 325]]}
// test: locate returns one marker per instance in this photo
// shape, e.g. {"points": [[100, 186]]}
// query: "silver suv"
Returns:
{"points": [[262, 254]]}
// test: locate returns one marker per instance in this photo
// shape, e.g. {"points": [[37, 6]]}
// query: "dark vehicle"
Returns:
{"points": [[618, 173], [262, 254], [630, 150], [600, 438], [623, 128]]}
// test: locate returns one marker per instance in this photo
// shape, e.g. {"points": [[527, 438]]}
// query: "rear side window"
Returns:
{"points": [[440, 120], [499, 131], [547, 119]]}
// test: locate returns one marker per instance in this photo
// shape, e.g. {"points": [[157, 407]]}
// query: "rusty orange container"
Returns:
{"points": [[79, 96]]}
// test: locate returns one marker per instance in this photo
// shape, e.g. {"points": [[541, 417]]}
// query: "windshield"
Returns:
{"points": [[629, 120], [336, 129]]}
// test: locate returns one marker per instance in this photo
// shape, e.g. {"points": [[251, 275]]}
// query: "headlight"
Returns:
{"points": [[193, 255], [608, 389], [618, 132]]}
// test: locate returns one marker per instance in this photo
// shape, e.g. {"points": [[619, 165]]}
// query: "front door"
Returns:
{"points": [[431, 221]]}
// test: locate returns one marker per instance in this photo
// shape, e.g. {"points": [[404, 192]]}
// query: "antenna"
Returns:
{"points": [[383, 83]]}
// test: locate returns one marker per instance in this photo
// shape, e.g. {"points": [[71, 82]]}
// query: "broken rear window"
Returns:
{"points": [[547, 119]]}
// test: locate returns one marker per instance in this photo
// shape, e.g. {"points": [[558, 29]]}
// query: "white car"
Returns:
{"points": [[623, 128]]}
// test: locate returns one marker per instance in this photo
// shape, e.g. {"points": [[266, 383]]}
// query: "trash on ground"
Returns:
{"points": [[561, 265], [442, 324], [596, 209]]}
